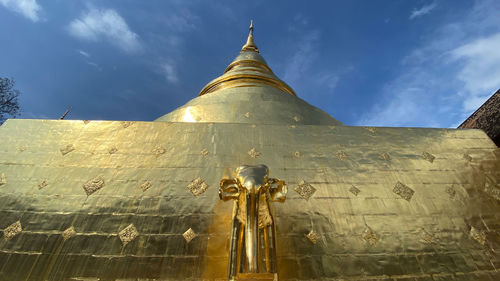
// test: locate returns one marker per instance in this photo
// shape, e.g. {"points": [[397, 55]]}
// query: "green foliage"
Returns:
{"points": [[9, 104]]}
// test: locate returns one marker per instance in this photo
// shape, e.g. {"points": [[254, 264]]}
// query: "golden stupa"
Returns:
{"points": [[246, 182]]}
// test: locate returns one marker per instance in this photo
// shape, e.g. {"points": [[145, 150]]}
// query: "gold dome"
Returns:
{"points": [[249, 92]]}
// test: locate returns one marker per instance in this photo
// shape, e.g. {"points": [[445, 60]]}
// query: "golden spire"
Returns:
{"points": [[250, 45]]}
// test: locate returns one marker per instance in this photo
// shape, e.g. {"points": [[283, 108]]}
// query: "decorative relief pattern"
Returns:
{"points": [[478, 235], [128, 234], [296, 118], [94, 185], [427, 156], [198, 186], [247, 115], [342, 156], [158, 150], [371, 129], [3, 180], [189, 235], [204, 152], [354, 190], [67, 149], [68, 233], [313, 236], [305, 190], [370, 237], [293, 126], [146, 185], [467, 157], [127, 124], [113, 150], [23, 148], [86, 122], [404, 191], [12, 230], [385, 156], [254, 153], [297, 154], [43, 184]]}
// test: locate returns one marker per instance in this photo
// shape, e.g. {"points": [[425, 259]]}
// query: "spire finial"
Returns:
{"points": [[250, 45]]}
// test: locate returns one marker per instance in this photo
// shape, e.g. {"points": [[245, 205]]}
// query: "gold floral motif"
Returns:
{"points": [[67, 149], [451, 191], [12, 230], [68, 233], [478, 235], [146, 185], [371, 129], [297, 154], [43, 184], [354, 190], [305, 190], [128, 234], [204, 152], [198, 186], [247, 115], [254, 153], [296, 118], [371, 237], [113, 150], [427, 156], [189, 235], [93, 185], [313, 236], [404, 191]]}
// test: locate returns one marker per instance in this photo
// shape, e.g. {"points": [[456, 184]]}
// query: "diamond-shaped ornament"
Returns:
{"points": [[478, 235], [113, 150], [385, 156], [158, 150], [305, 190], [189, 235], [93, 185], [128, 234], [146, 185], [371, 237], [197, 186], [427, 156], [354, 190], [313, 236], [68, 233], [404, 191], [67, 149], [12, 230], [204, 152], [43, 184], [342, 156]]}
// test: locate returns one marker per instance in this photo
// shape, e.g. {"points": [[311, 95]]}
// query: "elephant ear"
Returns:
{"points": [[229, 189], [277, 190]]}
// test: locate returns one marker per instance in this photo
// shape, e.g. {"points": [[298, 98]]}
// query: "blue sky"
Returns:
{"points": [[423, 63]]}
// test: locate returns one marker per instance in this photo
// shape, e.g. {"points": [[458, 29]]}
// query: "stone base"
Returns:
{"points": [[256, 277]]}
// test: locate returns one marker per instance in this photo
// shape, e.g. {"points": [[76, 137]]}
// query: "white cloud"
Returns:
{"points": [[28, 8], [422, 11], [303, 56], [480, 73], [105, 24], [445, 79], [83, 53], [170, 72]]}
